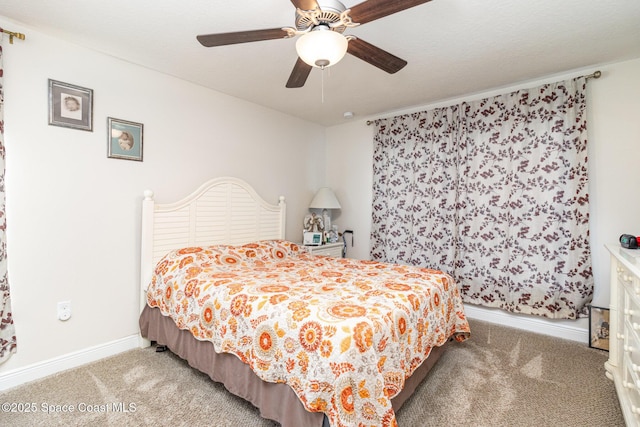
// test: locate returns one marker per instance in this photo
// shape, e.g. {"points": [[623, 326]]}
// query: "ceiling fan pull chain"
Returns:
{"points": [[322, 80]]}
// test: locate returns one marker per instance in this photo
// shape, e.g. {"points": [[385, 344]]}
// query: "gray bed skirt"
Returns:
{"points": [[276, 402]]}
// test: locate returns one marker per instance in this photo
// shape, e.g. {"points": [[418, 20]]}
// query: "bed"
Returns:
{"points": [[309, 340]]}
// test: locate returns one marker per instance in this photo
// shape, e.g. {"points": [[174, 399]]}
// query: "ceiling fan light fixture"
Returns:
{"points": [[321, 47]]}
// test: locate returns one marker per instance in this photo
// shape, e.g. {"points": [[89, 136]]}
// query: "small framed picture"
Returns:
{"points": [[599, 328], [124, 139], [70, 106]]}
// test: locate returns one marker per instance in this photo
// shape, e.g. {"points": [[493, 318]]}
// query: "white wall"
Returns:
{"points": [[613, 115], [350, 175], [614, 137], [74, 215]]}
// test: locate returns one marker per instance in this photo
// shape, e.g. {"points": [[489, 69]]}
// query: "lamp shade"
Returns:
{"points": [[325, 199], [321, 47]]}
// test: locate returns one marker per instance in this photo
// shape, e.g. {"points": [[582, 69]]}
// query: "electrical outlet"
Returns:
{"points": [[64, 310]]}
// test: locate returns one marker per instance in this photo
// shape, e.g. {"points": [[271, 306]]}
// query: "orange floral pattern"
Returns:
{"points": [[344, 334]]}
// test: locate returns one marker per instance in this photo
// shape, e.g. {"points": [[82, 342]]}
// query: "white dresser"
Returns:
{"points": [[330, 249], [623, 366]]}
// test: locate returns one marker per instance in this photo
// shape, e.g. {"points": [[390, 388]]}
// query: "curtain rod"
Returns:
{"points": [[595, 75], [12, 34]]}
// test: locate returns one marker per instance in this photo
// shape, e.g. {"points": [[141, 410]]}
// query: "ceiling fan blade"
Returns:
{"points": [[305, 4], [222, 39], [299, 74], [375, 56], [371, 10]]}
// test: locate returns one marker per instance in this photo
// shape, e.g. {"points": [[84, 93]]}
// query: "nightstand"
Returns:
{"points": [[329, 249]]}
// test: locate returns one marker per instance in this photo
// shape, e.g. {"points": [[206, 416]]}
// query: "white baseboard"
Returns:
{"points": [[574, 330], [43, 369]]}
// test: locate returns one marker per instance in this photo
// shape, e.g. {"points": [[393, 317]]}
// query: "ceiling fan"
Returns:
{"points": [[320, 25]]}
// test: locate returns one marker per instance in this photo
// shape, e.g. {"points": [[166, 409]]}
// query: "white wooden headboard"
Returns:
{"points": [[223, 210]]}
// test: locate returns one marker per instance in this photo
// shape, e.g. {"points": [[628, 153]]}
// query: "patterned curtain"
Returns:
{"points": [[495, 193], [8, 344]]}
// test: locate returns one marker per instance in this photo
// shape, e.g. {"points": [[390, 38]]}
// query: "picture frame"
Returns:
{"points": [[70, 106], [599, 328], [124, 139]]}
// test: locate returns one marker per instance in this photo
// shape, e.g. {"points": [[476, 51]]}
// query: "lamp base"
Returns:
{"points": [[326, 218]]}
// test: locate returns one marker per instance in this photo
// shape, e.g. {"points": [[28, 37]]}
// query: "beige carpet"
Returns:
{"points": [[500, 377]]}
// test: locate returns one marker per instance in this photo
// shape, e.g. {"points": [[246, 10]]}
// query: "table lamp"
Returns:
{"points": [[325, 200]]}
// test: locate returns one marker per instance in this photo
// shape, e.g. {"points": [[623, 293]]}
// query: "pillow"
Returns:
{"points": [[246, 255], [279, 249]]}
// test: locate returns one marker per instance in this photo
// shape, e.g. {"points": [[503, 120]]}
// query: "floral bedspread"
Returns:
{"points": [[344, 334]]}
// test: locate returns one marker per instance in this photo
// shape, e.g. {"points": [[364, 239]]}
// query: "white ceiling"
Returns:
{"points": [[453, 47]]}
